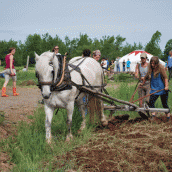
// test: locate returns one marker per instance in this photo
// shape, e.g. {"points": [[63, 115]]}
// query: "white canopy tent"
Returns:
{"points": [[134, 58]]}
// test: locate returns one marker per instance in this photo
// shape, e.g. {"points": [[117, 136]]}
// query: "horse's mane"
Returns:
{"points": [[47, 53]]}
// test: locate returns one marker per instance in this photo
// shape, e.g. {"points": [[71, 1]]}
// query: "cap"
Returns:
{"points": [[144, 55]]}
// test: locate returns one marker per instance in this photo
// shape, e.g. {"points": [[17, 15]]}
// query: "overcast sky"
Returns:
{"points": [[136, 20]]}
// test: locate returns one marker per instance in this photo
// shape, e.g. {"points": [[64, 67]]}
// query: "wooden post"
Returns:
{"points": [[27, 63]]}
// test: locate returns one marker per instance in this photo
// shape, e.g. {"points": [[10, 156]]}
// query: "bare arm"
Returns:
{"points": [[137, 71], [166, 84], [164, 74]]}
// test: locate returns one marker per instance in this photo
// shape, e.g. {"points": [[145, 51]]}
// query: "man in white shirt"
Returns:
{"points": [[104, 64]]}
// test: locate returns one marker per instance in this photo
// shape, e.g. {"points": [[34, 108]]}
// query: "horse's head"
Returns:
{"points": [[46, 68]]}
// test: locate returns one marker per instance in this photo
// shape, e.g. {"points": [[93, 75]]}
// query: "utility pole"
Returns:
{"points": [[27, 63]]}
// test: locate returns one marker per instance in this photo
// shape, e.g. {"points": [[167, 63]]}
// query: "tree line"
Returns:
{"points": [[111, 47]]}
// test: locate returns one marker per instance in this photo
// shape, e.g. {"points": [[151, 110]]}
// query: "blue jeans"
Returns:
{"points": [[84, 100], [128, 69], [123, 68], [118, 68]]}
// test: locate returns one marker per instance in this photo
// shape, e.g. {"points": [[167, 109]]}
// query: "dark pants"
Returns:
{"points": [[164, 99], [170, 73]]}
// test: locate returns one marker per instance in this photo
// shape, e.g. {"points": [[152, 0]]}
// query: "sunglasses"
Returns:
{"points": [[56, 48]]}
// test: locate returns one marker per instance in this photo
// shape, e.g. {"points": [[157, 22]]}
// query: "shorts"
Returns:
{"points": [[7, 75], [143, 91]]}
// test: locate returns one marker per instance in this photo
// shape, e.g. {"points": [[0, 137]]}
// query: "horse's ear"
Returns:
{"points": [[36, 57]]}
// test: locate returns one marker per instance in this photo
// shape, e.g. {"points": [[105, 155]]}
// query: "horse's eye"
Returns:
{"points": [[50, 63]]}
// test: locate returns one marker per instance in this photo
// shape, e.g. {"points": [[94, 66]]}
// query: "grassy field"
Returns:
{"points": [[29, 151]]}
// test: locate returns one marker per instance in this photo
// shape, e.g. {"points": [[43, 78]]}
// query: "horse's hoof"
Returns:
{"points": [[104, 123], [80, 131], [48, 141], [69, 138], [82, 127]]}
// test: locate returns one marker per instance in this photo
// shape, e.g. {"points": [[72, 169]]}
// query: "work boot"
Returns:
{"points": [[14, 92], [4, 92]]}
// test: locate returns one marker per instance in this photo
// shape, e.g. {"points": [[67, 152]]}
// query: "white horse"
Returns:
{"points": [[48, 62]]}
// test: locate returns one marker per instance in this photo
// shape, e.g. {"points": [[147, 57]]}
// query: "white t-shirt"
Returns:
{"points": [[104, 64], [24, 70]]}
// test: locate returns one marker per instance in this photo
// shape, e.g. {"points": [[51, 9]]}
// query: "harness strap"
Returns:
{"points": [[63, 68]]}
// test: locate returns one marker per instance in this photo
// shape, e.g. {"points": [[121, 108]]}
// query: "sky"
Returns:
{"points": [[135, 20]]}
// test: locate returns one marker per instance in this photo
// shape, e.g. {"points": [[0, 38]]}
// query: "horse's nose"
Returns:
{"points": [[46, 96]]}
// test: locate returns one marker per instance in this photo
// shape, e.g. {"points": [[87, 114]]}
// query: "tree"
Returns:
{"points": [[153, 47], [129, 48], [168, 47], [107, 46], [117, 50], [83, 43]]}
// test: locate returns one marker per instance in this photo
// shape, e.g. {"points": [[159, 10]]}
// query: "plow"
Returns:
{"points": [[125, 105]]}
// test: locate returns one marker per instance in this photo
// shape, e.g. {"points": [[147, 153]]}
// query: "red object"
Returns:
{"points": [[4, 92], [137, 52], [13, 75], [7, 60], [14, 92]]}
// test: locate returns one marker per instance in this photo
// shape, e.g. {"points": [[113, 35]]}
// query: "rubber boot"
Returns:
{"points": [[4, 92], [14, 92]]}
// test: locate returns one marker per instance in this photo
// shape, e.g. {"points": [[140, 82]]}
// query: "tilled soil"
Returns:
{"points": [[126, 145], [15, 109]]}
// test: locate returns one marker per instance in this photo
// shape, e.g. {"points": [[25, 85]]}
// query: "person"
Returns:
{"points": [[10, 72], [117, 62], [104, 64], [112, 66], [128, 65], [94, 104], [140, 72], [123, 65], [96, 55], [24, 69], [107, 64], [56, 50], [159, 81], [169, 65]]}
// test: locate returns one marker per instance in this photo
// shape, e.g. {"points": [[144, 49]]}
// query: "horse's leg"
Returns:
{"points": [[70, 108], [49, 115], [100, 110]]}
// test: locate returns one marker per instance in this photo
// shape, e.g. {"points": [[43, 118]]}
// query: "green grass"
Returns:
{"points": [[29, 150]]}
